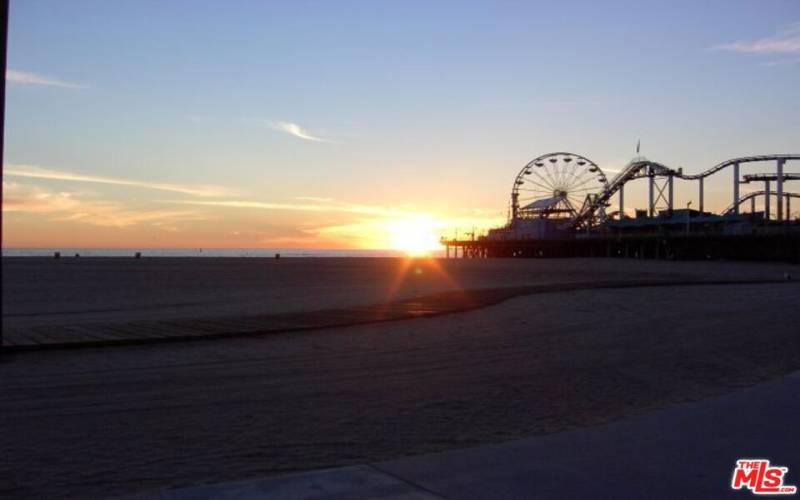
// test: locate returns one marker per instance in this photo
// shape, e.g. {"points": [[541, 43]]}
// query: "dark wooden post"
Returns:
{"points": [[3, 47]]}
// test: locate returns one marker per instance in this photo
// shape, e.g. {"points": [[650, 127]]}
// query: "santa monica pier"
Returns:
{"points": [[564, 205]]}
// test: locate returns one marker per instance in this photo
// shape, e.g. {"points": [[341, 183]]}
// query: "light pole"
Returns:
{"points": [[688, 215]]}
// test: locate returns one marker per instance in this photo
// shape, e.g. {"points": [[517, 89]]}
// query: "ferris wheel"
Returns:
{"points": [[555, 185]]}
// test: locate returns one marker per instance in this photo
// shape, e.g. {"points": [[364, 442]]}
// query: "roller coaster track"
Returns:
{"points": [[632, 170], [744, 159], [641, 167], [756, 194], [768, 177]]}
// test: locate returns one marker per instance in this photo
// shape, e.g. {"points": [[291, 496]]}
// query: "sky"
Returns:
{"points": [[266, 124]]}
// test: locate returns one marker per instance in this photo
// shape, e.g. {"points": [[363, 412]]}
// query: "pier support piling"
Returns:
{"points": [[701, 205], [779, 190], [670, 193], [788, 208]]}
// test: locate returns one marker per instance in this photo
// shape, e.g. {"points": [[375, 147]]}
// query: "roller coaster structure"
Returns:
{"points": [[661, 187]]}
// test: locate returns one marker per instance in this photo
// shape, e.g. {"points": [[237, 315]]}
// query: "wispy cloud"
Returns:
{"points": [[297, 131], [784, 42], [313, 198], [350, 224], [19, 198], [66, 206], [35, 172], [327, 206], [475, 216], [28, 78], [783, 62]]}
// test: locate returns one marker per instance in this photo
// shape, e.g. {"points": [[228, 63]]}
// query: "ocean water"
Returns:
{"points": [[197, 252]]}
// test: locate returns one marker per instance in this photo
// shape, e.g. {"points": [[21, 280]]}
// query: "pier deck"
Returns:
{"points": [[759, 247]]}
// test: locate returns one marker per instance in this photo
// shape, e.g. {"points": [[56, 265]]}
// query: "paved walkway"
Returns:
{"points": [[686, 451], [151, 331]]}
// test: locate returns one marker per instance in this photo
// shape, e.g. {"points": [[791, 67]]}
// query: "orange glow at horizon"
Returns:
{"points": [[42, 216]]}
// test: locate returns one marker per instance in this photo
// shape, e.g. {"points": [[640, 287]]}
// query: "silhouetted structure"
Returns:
{"points": [[557, 209]]}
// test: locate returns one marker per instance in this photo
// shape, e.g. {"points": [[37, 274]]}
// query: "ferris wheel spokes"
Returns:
{"points": [[554, 185]]}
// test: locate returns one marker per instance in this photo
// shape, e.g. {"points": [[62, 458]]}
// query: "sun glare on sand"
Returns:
{"points": [[416, 237]]}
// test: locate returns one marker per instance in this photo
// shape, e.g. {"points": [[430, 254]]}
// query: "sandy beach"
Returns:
{"points": [[109, 421], [46, 291]]}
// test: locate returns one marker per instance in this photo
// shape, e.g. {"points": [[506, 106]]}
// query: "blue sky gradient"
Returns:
{"points": [[426, 106]]}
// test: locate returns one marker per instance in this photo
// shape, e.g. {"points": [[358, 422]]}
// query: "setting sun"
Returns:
{"points": [[415, 236]]}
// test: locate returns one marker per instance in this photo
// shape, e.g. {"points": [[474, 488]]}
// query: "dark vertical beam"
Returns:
{"points": [[736, 188], [779, 191], [702, 205], [3, 52], [670, 193]]}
